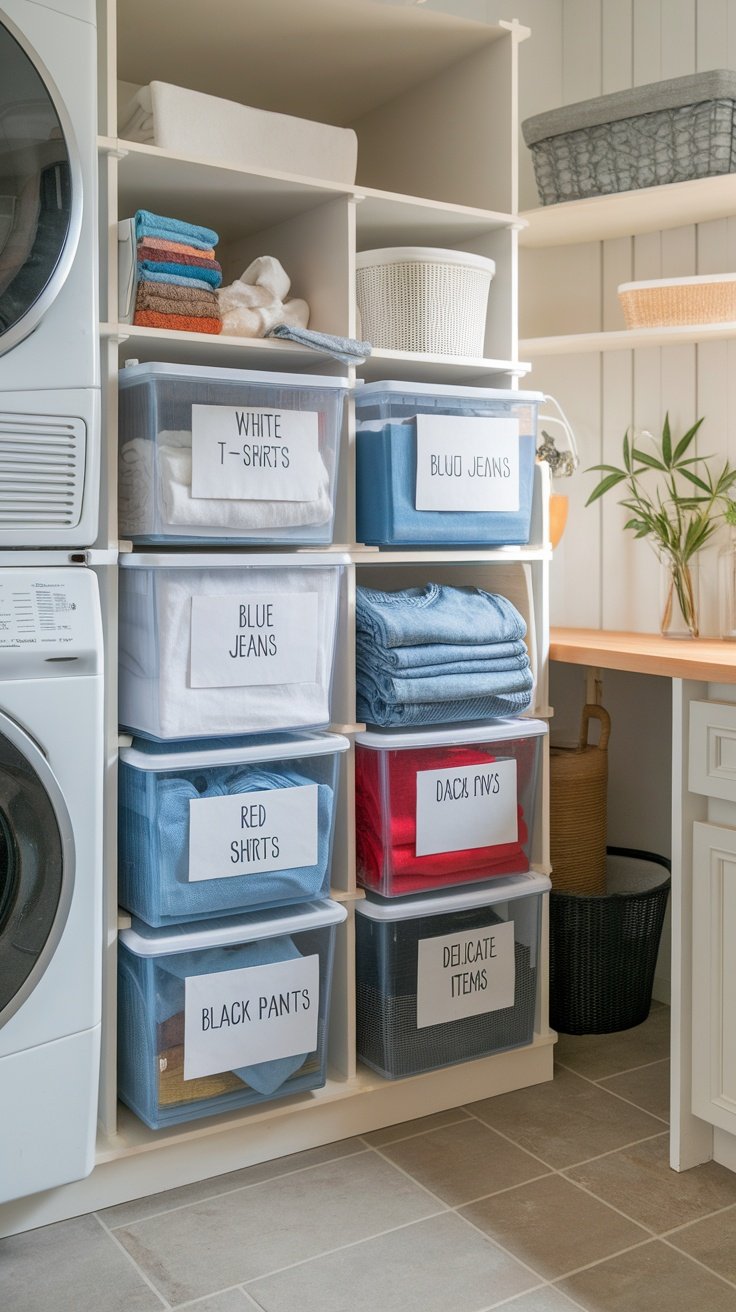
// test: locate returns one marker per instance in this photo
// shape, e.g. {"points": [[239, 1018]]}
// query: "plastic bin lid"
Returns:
{"points": [[395, 387], [145, 755], [134, 372], [499, 731], [424, 254], [147, 942], [464, 899], [228, 560]]}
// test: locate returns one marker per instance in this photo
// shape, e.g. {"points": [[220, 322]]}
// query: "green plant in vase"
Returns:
{"points": [[675, 501]]}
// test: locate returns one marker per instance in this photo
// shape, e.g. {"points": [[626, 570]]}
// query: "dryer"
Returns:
{"points": [[51, 762], [49, 349]]}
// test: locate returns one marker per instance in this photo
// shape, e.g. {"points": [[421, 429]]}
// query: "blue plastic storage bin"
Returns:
{"points": [[212, 828], [430, 471], [228, 455], [449, 977], [224, 1013]]}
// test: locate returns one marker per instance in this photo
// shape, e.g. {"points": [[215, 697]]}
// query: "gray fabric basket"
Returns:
{"points": [[668, 131]]}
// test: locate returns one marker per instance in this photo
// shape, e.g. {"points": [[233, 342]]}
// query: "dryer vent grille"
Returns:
{"points": [[41, 470]]}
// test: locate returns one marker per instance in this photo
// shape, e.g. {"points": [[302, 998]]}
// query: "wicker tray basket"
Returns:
{"points": [[578, 788], [670, 302]]}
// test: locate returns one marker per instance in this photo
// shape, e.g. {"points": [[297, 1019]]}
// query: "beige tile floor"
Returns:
{"points": [[545, 1200]]}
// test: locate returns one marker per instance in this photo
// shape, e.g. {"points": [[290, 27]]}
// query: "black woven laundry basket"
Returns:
{"points": [[603, 948]]}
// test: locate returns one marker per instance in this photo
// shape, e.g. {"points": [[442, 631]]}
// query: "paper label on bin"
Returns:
{"points": [[465, 974], [248, 833], [253, 454], [239, 1018], [467, 463], [254, 638], [470, 806]]}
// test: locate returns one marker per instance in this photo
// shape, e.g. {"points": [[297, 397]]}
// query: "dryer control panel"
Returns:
{"points": [[49, 617]]}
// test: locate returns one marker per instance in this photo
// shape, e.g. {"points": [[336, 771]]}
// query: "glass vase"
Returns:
{"points": [[727, 589], [678, 598]]}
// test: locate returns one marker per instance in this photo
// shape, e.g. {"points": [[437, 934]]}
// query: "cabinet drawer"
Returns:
{"points": [[712, 765], [714, 975]]}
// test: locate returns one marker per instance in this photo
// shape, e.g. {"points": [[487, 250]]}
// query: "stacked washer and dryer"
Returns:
{"points": [[51, 708]]}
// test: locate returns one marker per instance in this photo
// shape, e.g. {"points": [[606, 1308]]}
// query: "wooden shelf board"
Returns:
{"points": [[649, 209], [646, 653], [146, 344], [627, 339], [413, 367]]}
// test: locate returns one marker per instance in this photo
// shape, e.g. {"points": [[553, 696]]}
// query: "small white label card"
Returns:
{"points": [[471, 806], [236, 1018], [248, 833], [467, 463], [252, 454], [253, 638], [465, 974]]}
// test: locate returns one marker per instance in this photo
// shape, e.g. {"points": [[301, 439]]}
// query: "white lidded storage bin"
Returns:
{"points": [[234, 455], [212, 828], [224, 1013], [447, 978], [214, 644], [439, 807], [424, 299]]}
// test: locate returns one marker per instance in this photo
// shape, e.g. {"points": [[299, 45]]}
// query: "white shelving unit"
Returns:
{"points": [[433, 101], [628, 339]]}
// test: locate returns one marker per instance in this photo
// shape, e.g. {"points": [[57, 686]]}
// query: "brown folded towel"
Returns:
{"points": [[150, 253], [173, 291], [162, 305]]}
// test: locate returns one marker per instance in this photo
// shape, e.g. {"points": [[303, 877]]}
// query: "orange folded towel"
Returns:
{"points": [[183, 323], [161, 244]]}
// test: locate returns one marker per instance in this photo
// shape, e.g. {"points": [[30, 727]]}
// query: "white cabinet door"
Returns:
{"points": [[714, 975], [713, 749]]}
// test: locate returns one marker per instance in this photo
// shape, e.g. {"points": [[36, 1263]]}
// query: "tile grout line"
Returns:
{"points": [[698, 1262], [597, 1085], [416, 1134], [601, 1261], [630, 1070], [686, 1224], [611, 1152], [131, 1260], [195, 1302], [513, 1143], [558, 1169], [507, 1189]]}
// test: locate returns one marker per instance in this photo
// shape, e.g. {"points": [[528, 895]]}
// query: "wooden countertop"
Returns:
{"points": [[709, 659]]}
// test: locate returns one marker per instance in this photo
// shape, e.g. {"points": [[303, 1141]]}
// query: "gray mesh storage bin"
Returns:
{"points": [[447, 978], [670, 131]]}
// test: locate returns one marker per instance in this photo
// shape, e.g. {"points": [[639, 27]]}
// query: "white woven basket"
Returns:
{"points": [[671, 302], [417, 298]]}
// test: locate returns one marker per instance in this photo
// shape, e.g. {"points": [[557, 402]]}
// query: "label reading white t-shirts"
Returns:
{"points": [[465, 974], [467, 463], [236, 1018], [252, 454], [471, 806], [247, 833], [254, 638]]}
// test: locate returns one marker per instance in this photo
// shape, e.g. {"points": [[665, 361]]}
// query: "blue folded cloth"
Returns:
{"points": [[436, 614], [460, 685], [374, 710], [345, 349], [148, 224], [179, 281], [190, 272], [442, 658]]}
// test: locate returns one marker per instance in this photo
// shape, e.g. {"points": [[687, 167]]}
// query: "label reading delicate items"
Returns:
{"points": [[471, 806], [248, 833], [237, 1018], [252, 454], [467, 463], [254, 638], [465, 974]]}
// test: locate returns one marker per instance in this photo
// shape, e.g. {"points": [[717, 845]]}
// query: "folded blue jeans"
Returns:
{"points": [[403, 689], [374, 710], [436, 614], [433, 654]]}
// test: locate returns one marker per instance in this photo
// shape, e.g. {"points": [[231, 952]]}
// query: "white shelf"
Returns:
{"points": [[146, 344], [649, 209], [385, 219], [628, 339], [412, 367], [449, 556]]}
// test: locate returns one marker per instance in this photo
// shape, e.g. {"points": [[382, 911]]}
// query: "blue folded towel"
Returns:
{"points": [[345, 349], [436, 614], [176, 278], [189, 234], [191, 273]]}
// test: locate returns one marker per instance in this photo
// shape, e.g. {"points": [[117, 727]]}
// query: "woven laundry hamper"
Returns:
{"points": [[670, 302], [578, 787], [419, 298]]}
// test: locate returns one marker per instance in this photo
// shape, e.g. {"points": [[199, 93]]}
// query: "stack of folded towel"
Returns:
{"points": [[178, 275], [438, 655]]}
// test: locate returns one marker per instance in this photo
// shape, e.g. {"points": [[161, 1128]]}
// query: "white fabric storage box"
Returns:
{"points": [[212, 828], [214, 644], [439, 807], [208, 127], [424, 299], [234, 455], [447, 978], [224, 1013]]}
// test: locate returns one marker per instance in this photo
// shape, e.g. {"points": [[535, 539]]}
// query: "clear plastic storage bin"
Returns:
{"points": [[441, 464], [225, 1013], [447, 978], [226, 644], [227, 454], [211, 828], [441, 807]]}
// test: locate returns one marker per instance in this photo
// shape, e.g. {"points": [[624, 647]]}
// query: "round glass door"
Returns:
{"points": [[36, 867], [40, 192]]}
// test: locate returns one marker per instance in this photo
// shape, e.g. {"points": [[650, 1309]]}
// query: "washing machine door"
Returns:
{"points": [[40, 189], [36, 866]]}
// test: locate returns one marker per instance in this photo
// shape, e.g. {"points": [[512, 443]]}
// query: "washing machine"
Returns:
{"points": [[49, 347], [51, 761]]}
